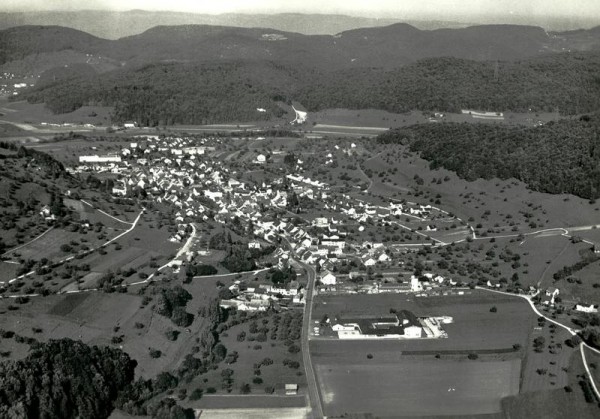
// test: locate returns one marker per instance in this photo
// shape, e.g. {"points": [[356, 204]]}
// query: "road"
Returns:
{"points": [[572, 331], [311, 380]]}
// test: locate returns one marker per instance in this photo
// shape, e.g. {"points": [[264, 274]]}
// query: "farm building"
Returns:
{"points": [[404, 324], [586, 308], [99, 159]]}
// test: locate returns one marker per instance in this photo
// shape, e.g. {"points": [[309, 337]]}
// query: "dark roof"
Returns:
{"points": [[368, 323]]}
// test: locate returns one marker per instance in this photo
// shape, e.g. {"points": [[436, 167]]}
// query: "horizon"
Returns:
{"points": [[444, 10]]}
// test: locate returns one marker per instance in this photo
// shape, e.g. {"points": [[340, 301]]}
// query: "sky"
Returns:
{"points": [[438, 9]]}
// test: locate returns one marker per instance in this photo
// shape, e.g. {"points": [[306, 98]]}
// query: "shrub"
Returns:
{"points": [[155, 353], [172, 335], [196, 394]]}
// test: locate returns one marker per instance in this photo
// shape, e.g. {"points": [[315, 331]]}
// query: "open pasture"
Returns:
{"points": [[417, 388]]}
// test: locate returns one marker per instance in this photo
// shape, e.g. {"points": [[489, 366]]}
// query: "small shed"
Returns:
{"points": [[291, 389]]}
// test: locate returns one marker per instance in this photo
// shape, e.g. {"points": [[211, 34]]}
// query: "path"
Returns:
{"points": [[105, 213], [28, 243]]}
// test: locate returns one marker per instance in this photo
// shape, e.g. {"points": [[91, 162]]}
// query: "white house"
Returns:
{"points": [[415, 285], [328, 279]]}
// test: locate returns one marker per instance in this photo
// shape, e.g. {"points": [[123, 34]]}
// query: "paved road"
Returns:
{"points": [[313, 389]]}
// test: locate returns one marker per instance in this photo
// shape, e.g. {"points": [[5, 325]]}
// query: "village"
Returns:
{"points": [[183, 172]]}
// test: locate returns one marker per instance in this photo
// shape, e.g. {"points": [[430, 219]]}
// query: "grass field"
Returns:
{"points": [[422, 387]]}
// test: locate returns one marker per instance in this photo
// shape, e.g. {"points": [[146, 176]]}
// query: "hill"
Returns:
{"points": [[559, 157], [20, 42], [388, 47], [190, 93], [114, 25]]}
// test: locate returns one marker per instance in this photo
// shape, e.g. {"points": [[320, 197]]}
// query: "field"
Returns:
{"points": [[474, 327], [586, 291], [417, 387], [97, 317], [7, 271], [554, 404], [48, 246], [23, 112]]}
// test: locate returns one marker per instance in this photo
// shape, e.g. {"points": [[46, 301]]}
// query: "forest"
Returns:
{"points": [[229, 91], [64, 379], [558, 157]]}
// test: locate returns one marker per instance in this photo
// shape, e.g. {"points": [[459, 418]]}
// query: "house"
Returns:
{"points": [[254, 245], [383, 257], [492, 283], [328, 279], [129, 124], [551, 292], [415, 284], [261, 158], [370, 262]]}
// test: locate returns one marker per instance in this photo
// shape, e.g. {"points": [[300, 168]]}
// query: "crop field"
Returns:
{"points": [[417, 387], [474, 327], [251, 413]]}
